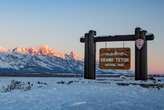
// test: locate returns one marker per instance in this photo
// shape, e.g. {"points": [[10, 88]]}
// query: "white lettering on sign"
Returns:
{"points": [[114, 58]]}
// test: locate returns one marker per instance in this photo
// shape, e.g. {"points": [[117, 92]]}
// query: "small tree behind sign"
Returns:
{"points": [[115, 58]]}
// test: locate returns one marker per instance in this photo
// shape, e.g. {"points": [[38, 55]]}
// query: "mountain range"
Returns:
{"points": [[39, 60], [43, 60]]}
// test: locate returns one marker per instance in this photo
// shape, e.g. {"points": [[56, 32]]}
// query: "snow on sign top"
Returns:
{"points": [[115, 58]]}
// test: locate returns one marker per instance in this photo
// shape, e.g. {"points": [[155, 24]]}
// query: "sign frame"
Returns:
{"points": [[115, 58], [141, 65]]}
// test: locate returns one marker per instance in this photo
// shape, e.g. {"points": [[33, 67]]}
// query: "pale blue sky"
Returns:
{"points": [[60, 23]]}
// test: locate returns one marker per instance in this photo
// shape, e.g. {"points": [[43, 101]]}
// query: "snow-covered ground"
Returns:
{"points": [[79, 94]]}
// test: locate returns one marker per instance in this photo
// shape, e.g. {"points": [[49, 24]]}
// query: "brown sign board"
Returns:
{"points": [[115, 58]]}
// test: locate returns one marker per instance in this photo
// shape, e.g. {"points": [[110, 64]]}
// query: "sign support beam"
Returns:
{"points": [[118, 38]]}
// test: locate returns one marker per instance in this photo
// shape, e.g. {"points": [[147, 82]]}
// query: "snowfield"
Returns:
{"points": [[79, 94]]}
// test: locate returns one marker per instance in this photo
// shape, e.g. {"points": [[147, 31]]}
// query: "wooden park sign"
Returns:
{"points": [[140, 37], [114, 58]]}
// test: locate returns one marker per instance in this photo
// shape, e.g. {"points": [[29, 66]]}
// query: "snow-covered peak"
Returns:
{"points": [[74, 55], [3, 49], [45, 50], [42, 50], [20, 50]]}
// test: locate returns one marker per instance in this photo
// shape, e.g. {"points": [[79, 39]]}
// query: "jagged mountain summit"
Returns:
{"points": [[39, 60]]}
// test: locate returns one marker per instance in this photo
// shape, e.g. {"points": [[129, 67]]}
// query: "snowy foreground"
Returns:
{"points": [[80, 94]]}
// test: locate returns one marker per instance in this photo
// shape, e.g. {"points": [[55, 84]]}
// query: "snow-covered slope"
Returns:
{"points": [[39, 60]]}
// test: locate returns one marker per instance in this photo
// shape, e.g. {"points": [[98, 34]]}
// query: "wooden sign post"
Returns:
{"points": [[90, 56], [140, 55], [140, 39]]}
